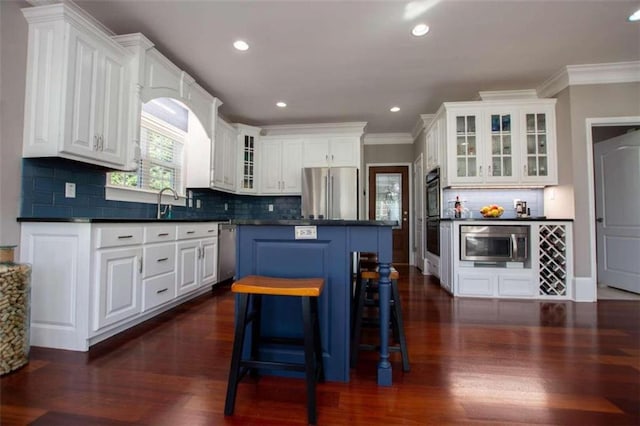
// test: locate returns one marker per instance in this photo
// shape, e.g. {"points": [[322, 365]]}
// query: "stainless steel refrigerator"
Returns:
{"points": [[330, 193]]}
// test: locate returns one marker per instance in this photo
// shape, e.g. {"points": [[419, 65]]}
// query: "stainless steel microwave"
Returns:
{"points": [[494, 243]]}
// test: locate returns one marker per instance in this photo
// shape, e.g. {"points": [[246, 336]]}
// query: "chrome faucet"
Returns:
{"points": [[161, 213]]}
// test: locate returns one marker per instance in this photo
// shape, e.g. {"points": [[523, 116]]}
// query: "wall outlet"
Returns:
{"points": [[270, 207], [306, 232], [198, 204], [226, 206], [190, 199], [70, 190]]}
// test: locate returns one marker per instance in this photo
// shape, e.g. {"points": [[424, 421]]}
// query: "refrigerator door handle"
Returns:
{"points": [[327, 198], [332, 214]]}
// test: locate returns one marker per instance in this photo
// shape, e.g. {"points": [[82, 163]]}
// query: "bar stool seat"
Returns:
{"points": [[367, 285], [251, 289]]}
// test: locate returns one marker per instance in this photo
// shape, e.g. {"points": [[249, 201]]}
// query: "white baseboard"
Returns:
{"points": [[585, 289]]}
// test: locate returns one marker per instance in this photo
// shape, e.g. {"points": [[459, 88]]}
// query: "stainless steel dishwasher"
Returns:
{"points": [[226, 251]]}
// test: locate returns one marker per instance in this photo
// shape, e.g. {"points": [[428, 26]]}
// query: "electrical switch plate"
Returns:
{"points": [[306, 233], [198, 204], [270, 207], [226, 206], [70, 190]]}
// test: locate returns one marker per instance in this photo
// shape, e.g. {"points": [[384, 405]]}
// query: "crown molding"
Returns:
{"points": [[575, 75], [388, 139], [423, 122], [134, 40], [501, 95], [356, 127]]}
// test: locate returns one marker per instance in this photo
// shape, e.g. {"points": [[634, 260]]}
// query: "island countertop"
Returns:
{"points": [[505, 219], [116, 219], [313, 222]]}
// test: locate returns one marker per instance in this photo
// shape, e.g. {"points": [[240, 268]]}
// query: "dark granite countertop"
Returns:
{"points": [[507, 219], [116, 220], [314, 222]]}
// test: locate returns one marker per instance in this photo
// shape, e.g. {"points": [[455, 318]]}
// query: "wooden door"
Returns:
{"points": [[389, 200], [617, 171]]}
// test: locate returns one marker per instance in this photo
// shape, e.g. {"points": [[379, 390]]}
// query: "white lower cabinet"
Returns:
{"points": [[92, 281], [118, 292], [475, 284]]}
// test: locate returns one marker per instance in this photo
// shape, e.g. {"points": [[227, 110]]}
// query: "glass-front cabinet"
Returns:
{"points": [[247, 158], [500, 143]]}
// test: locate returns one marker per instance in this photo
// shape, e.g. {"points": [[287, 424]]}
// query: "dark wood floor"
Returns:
{"points": [[472, 362]]}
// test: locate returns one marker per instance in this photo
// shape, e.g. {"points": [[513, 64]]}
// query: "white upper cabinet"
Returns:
{"points": [[225, 156], [335, 151], [281, 170], [500, 143], [76, 91]]}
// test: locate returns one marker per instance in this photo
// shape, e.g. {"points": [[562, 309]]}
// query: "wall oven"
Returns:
{"points": [[432, 213], [494, 243]]}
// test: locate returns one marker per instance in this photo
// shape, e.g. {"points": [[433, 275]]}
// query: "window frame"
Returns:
{"points": [[142, 195]]}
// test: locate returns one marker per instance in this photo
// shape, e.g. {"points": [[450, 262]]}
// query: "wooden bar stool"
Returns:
{"points": [[308, 289], [367, 285]]}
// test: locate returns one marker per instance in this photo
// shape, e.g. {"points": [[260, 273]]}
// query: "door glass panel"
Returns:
{"points": [[542, 166], [495, 145], [506, 145], [495, 123], [542, 144], [531, 144], [495, 166], [472, 166], [532, 170], [460, 127], [531, 123], [462, 167], [472, 145], [507, 167], [506, 123], [389, 196], [462, 145], [542, 124]]}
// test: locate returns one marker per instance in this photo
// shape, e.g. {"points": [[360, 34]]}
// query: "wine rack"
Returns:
{"points": [[553, 260]]}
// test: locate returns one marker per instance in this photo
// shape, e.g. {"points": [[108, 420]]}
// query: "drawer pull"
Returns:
{"points": [[162, 291], [164, 234], [163, 259], [191, 232], [211, 230], [124, 237]]}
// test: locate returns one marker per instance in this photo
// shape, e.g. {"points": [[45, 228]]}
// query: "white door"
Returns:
{"points": [[617, 173], [188, 278], [291, 157], [271, 158]]}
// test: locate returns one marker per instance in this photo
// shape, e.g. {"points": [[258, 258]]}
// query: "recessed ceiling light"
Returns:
{"points": [[281, 104], [394, 109], [635, 16], [240, 45], [420, 30]]}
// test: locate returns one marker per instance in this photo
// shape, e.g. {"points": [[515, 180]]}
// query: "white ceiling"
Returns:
{"points": [[335, 61]]}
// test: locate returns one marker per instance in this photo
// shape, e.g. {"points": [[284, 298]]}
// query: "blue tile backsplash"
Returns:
{"points": [[43, 184], [475, 199]]}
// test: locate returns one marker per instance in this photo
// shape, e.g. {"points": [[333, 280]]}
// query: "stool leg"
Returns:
{"points": [[317, 339], [256, 303], [309, 355], [236, 355], [357, 323], [398, 314]]}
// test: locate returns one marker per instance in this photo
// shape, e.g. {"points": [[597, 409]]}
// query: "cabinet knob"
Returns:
{"points": [[600, 220]]}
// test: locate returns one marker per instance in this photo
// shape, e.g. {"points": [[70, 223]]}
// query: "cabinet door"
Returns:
{"points": [[209, 260], [218, 155], [248, 156], [270, 177], [502, 133], [81, 136], [111, 108], [291, 166], [315, 152], [344, 152], [188, 259], [475, 284], [446, 256], [464, 147], [230, 156], [118, 292], [538, 150]]}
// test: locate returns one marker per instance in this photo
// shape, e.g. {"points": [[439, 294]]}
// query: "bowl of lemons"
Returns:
{"points": [[492, 210]]}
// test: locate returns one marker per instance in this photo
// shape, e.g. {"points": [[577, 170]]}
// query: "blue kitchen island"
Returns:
{"points": [[316, 248]]}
